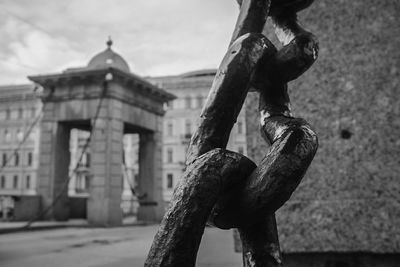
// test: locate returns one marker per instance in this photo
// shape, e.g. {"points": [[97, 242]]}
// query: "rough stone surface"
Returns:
{"points": [[349, 199]]}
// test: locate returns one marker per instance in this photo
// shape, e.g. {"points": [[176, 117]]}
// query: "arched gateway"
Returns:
{"points": [[128, 104]]}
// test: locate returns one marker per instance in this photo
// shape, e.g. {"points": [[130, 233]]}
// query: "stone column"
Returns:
{"points": [[53, 169], [104, 203], [150, 177]]}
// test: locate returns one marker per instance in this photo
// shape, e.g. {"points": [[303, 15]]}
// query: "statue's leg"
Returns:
{"points": [[228, 93], [178, 238], [251, 206], [207, 174], [252, 17], [293, 145], [260, 243], [300, 48]]}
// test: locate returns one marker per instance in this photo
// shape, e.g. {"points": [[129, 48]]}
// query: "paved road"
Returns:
{"points": [[117, 247]]}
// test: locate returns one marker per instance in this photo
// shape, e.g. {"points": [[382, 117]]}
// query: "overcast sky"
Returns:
{"points": [[156, 37]]}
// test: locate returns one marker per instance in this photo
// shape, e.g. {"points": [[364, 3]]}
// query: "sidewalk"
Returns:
{"points": [[12, 227], [105, 247]]}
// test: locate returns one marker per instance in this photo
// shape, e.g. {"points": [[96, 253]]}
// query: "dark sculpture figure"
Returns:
{"points": [[225, 188]]}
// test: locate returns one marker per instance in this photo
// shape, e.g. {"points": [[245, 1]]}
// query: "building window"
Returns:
{"points": [[188, 128], [20, 135], [8, 114], [188, 102], [200, 101], [16, 159], [169, 105], [4, 159], [82, 182], [3, 182], [170, 180], [86, 159], [170, 129], [137, 156], [123, 157], [20, 113], [240, 127], [28, 182], [30, 158], [32, 135], [15, 181], [33, 112], [170, 156], [7, 135]]}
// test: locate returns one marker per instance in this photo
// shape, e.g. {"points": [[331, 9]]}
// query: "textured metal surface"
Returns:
{"points": [[247, 201]]}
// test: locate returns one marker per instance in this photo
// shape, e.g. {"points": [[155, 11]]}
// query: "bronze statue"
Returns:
{"points": [[225, 188]]}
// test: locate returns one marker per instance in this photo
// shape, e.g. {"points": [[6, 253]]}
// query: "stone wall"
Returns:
{"points": [[350, 198]]}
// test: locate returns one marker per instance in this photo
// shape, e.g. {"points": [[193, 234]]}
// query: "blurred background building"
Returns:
{"points": [[20, 109], [19, 152], [180, 121]]}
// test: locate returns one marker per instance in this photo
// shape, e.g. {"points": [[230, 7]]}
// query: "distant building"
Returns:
{"points": [[20, 105], [181, 118]]}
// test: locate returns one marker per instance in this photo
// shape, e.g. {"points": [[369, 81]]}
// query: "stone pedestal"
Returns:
{"points": [[128, 104], [107, 177]]}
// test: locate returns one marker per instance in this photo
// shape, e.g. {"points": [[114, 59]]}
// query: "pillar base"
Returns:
{"points": [[150, 212], [103, 215]]}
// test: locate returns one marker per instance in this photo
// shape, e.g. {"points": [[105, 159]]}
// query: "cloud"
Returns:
{"points": [[163, 37]]}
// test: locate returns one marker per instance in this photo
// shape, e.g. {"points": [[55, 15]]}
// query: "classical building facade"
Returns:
{"points": [[181, 118], [21, 108]]}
